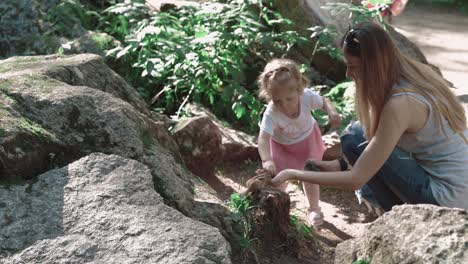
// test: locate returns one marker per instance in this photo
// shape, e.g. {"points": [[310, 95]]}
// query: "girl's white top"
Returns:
{"points": [[287, 131]]}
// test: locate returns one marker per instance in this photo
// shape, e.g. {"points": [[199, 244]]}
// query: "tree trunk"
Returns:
{"points": [[270, 223]]}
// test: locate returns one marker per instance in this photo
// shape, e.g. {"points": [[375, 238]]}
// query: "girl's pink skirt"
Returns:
{"points": [[294, 156]]}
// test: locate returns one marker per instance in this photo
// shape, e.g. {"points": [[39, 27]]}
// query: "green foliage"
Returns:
{"points": [[344, 106], [359, 13], [209, 54], [118, 18], [102, 41], [324, 41], [361, 261], [34, 128], [240, 206], [298, 228], [67, 14]]}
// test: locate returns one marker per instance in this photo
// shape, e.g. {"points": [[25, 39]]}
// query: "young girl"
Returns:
{"points": [[412, 146], [289, 135]]}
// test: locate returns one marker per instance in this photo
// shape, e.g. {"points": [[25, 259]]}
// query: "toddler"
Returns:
{"points": [[289, 135]]}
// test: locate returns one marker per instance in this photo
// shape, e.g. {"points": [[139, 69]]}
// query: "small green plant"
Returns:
{"points": [[64, 47], [361, 261], [299, 228], [34, 128], [240, 206], [102, 41]]}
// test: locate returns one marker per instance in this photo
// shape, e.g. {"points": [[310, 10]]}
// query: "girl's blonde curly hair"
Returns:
{"points": [[277, 73]]}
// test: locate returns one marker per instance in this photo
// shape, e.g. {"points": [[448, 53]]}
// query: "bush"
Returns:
{"points": [[209, 54]]}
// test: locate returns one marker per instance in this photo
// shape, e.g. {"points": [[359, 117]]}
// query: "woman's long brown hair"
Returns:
{"points": [[382, 66]]}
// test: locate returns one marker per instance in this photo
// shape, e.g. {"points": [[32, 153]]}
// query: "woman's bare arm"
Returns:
{"points": [[397, 116]]}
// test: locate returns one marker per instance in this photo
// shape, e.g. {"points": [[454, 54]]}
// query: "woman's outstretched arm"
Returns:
{"points": [[399, 115]]}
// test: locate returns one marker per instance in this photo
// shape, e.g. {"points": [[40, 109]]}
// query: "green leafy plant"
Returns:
{"points": [[359, 13], [118, 19], [209, 54], [67, 14], [299, 228], [344, 106], [324, 41], [240, 205], [205, 54], [361, 261]]}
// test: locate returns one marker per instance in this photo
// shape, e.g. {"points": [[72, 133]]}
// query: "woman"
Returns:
{"points": [[412, 146]]}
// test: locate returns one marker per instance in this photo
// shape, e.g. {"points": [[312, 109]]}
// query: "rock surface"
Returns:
{"points": [[55, 110], [100, 209], [237, 146], [199, 141], [411, 234]]}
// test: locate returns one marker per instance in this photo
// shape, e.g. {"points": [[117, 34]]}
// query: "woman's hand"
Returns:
{"points": [[329, 165], [283, 176]]}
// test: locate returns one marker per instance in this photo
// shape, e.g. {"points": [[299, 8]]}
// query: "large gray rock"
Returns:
{"points": [[47, 123], [199, 141], [411, 234], [237, 146], [80, 70], [66, 121], [100, 209]]}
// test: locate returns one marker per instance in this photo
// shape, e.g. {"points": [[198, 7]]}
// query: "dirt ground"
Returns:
{"points": [[344, 217], [442, 35]]}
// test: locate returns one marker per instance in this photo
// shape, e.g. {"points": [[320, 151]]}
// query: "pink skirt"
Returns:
{"points": [[294, 156]]}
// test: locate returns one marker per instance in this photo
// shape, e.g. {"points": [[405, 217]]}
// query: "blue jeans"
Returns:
{"points": [[400, 180]]}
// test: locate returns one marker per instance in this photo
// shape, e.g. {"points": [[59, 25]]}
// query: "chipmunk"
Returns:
{"points": [[259, 181]]}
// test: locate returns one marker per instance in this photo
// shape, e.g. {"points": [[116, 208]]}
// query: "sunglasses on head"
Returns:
{"points": [[351, 38]]}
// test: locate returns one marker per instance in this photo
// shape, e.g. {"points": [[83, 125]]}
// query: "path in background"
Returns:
{"points": [[442, 35]]}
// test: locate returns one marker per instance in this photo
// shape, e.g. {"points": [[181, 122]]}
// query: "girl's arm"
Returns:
{"points": [[334, 117], [264, 151], [397, 116]]}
